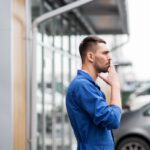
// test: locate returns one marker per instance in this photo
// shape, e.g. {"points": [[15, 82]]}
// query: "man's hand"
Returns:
{"points": [[113, 80], [112, 77]]}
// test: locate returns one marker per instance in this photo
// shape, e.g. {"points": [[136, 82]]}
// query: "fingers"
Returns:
{"points": [[111, 63], [112, 67]]}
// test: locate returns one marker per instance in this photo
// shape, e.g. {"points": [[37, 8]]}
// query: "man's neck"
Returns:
{"points": [[90, 71]]}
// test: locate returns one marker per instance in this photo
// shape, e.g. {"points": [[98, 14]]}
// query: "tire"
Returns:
{"points": [[133, 143]]}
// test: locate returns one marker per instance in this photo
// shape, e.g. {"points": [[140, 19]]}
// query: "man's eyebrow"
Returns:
{"points": [[106, 51]]}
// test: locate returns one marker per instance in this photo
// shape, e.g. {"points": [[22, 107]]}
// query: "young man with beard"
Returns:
{"points": [[91, 117]]}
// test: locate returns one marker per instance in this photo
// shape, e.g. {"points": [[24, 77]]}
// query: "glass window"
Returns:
{"points": [[58, 42], [44, 95], [73, 68], [73, 44], [65, 43], [54, 71], [66, 75], [58, 99]]}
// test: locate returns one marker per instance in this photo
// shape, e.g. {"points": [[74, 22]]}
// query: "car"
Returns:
{"points": [[134, 130], [137, 102], [140, 97]]}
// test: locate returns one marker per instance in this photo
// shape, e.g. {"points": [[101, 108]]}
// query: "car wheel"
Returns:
{"points": [[133, 143]]}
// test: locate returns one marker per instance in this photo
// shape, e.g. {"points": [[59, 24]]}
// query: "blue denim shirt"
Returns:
{"points": [[92, 119]]}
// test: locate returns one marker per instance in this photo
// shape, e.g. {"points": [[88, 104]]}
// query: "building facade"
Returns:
{"points": [[37, 65]]}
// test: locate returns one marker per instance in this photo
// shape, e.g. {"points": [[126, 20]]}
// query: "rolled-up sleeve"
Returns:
{"points": [[94, 103]]}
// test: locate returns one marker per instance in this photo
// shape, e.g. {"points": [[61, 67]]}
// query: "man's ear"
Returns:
{"points": [[90, 56]]}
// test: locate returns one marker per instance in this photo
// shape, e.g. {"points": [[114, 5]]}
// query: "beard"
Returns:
{"points": [[101, 69], [104, 70]]}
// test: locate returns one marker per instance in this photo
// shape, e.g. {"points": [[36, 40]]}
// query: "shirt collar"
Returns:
{"points": [[87, 76]]}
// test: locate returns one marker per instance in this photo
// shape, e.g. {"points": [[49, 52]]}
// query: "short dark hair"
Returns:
{"points": [[87, 45]]}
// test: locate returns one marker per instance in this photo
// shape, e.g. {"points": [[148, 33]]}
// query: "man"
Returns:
{"points": [[91, 117]]}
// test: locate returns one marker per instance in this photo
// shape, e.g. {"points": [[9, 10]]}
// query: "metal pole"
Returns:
{"points": [[33, 94], [54, 112], [43, 98], [59, 11], [69, 79], [54, 143], [43, 133], [62, 88], [28, 61]]}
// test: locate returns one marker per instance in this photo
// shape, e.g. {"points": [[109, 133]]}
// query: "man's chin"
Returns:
{"points": [[103, 71]]}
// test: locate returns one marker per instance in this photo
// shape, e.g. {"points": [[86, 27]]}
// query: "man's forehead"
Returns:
{"points": [[103, 46]]}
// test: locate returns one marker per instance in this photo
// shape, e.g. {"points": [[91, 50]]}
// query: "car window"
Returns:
{"points": [[146, 92], [147, 112], [143, 89]]}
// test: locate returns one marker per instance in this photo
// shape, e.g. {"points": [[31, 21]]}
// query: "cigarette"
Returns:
{"points": [[116, 64]]}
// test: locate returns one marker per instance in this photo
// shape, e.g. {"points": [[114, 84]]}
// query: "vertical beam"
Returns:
{"points": [[122, 14], [43, 134], [28, 62], [6, 100], [19, 74], [33, 76], [62, 87]]}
